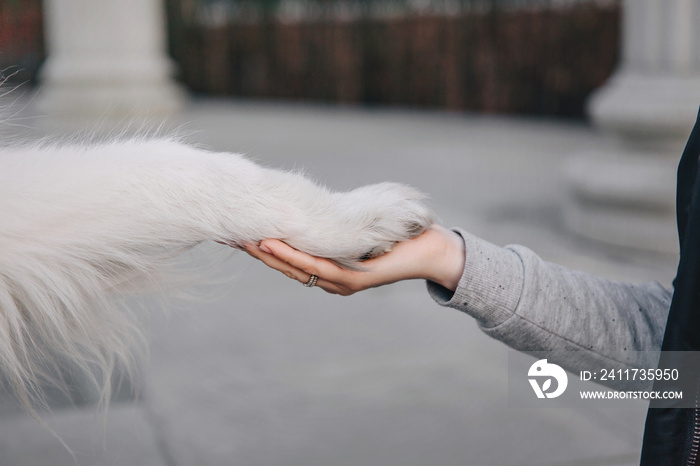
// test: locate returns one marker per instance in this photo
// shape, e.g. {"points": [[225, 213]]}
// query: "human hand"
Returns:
{"points": [[436, 255]]}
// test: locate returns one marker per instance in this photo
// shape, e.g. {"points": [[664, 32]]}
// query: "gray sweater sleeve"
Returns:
{"points": [[533, 305]]}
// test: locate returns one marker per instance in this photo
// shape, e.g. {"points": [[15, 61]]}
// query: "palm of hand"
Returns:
{"points": [[437, 255]]}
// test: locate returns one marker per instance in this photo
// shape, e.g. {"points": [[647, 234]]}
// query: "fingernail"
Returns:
{"points": [[264, 248]]}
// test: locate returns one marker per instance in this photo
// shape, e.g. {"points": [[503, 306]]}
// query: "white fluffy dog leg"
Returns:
{"points": [[81, 224]]}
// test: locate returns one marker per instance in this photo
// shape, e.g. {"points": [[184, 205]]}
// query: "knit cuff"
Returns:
{"points": [[490, 286]]}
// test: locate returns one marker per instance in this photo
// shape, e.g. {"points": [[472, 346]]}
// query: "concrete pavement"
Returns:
{"points": [[271, 373]]}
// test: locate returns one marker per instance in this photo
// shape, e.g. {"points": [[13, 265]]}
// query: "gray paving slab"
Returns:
{"points": [[80, 436], [271, 373]]}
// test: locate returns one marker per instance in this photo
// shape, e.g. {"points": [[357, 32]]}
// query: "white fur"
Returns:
{"points": [[83, 224]]}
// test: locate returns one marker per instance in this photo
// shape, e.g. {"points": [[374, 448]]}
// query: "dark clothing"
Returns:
{"points": [[672, 435]]}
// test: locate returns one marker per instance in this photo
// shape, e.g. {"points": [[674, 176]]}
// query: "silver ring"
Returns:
{"points": [[312, 281]]}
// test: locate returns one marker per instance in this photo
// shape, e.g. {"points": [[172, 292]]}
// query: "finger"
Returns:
{"points": [[333, 288], [278, 264], [331, 277], [316, 266], [301, 260]]}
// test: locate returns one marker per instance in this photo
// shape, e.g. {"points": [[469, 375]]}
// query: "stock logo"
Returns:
{"points": [[544, 371]]}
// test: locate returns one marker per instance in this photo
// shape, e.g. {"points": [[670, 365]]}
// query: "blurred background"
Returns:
{"points": [[533, 57], [556, 124]]}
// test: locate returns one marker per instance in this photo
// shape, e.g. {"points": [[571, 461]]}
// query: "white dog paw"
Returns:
{"points": [[367, 222]]}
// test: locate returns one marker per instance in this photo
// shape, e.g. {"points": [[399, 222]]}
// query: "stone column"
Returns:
{"points": [[625, 194], [107, 70], [106, 64]]}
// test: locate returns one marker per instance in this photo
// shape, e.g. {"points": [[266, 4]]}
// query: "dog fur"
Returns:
{"points": [[82, 224]]}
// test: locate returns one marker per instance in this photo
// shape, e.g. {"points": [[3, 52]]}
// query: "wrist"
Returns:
{"points": [[448, 258]]}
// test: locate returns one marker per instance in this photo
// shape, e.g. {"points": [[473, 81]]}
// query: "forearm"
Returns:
{"points": [[533, 305]]}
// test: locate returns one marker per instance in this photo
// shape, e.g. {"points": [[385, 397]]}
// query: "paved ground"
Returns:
{"points": [[274, 374]]}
